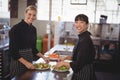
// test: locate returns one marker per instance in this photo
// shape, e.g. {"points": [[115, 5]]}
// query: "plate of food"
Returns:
{"points": [[42, 66], [53, 56], [61, 69]]}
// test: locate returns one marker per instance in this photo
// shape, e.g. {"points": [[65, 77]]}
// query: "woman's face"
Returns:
{"points": [[80, 26], [30, 16]]}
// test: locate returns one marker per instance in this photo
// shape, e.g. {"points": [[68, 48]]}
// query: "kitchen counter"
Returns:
{"points": [[102, 70], [44, 75], [60, 47], [4, 43], [4, 57], [47, 74]]}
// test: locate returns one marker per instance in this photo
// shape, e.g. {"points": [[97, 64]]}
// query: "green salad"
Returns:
{"points": [[62, 68], [41, 65]]}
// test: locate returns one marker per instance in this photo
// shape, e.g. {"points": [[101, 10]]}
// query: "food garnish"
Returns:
{"points": [[53, 55], [41, 65]]}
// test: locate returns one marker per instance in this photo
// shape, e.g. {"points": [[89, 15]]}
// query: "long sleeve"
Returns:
{"points": [[34, 49], [13, 47], [22, 36]]}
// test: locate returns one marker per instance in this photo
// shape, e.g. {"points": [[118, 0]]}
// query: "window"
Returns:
{"points": [[4, 11], [3, 5], [43, 9], [79, 2], [64, 10]]}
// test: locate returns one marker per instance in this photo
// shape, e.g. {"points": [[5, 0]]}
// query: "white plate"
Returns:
{"points": [[68, 60], [42, 68], [53, 58]]}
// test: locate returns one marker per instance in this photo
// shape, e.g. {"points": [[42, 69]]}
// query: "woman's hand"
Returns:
{"points": [[61, 59], [64, 58], [46, 59], [62, 63]]}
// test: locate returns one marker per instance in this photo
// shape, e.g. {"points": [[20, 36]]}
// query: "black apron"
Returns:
{"points": [[16, 67], [86, 73]]}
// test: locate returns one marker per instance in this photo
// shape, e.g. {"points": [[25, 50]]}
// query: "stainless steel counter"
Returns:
{"points": [[4, 43]]}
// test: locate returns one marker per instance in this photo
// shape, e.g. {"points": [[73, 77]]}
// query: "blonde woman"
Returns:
{"points": [[22, 46]]}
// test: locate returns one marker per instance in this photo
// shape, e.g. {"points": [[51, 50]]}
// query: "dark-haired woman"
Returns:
{"points": [[83, 52]]}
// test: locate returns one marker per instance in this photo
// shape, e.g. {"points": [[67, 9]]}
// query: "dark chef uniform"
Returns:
{"points": [[22, 44], [83, 58]]}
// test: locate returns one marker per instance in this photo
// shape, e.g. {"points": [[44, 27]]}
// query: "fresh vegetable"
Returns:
{"points": [[53, 55], [41, 65], [62, 68]]}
